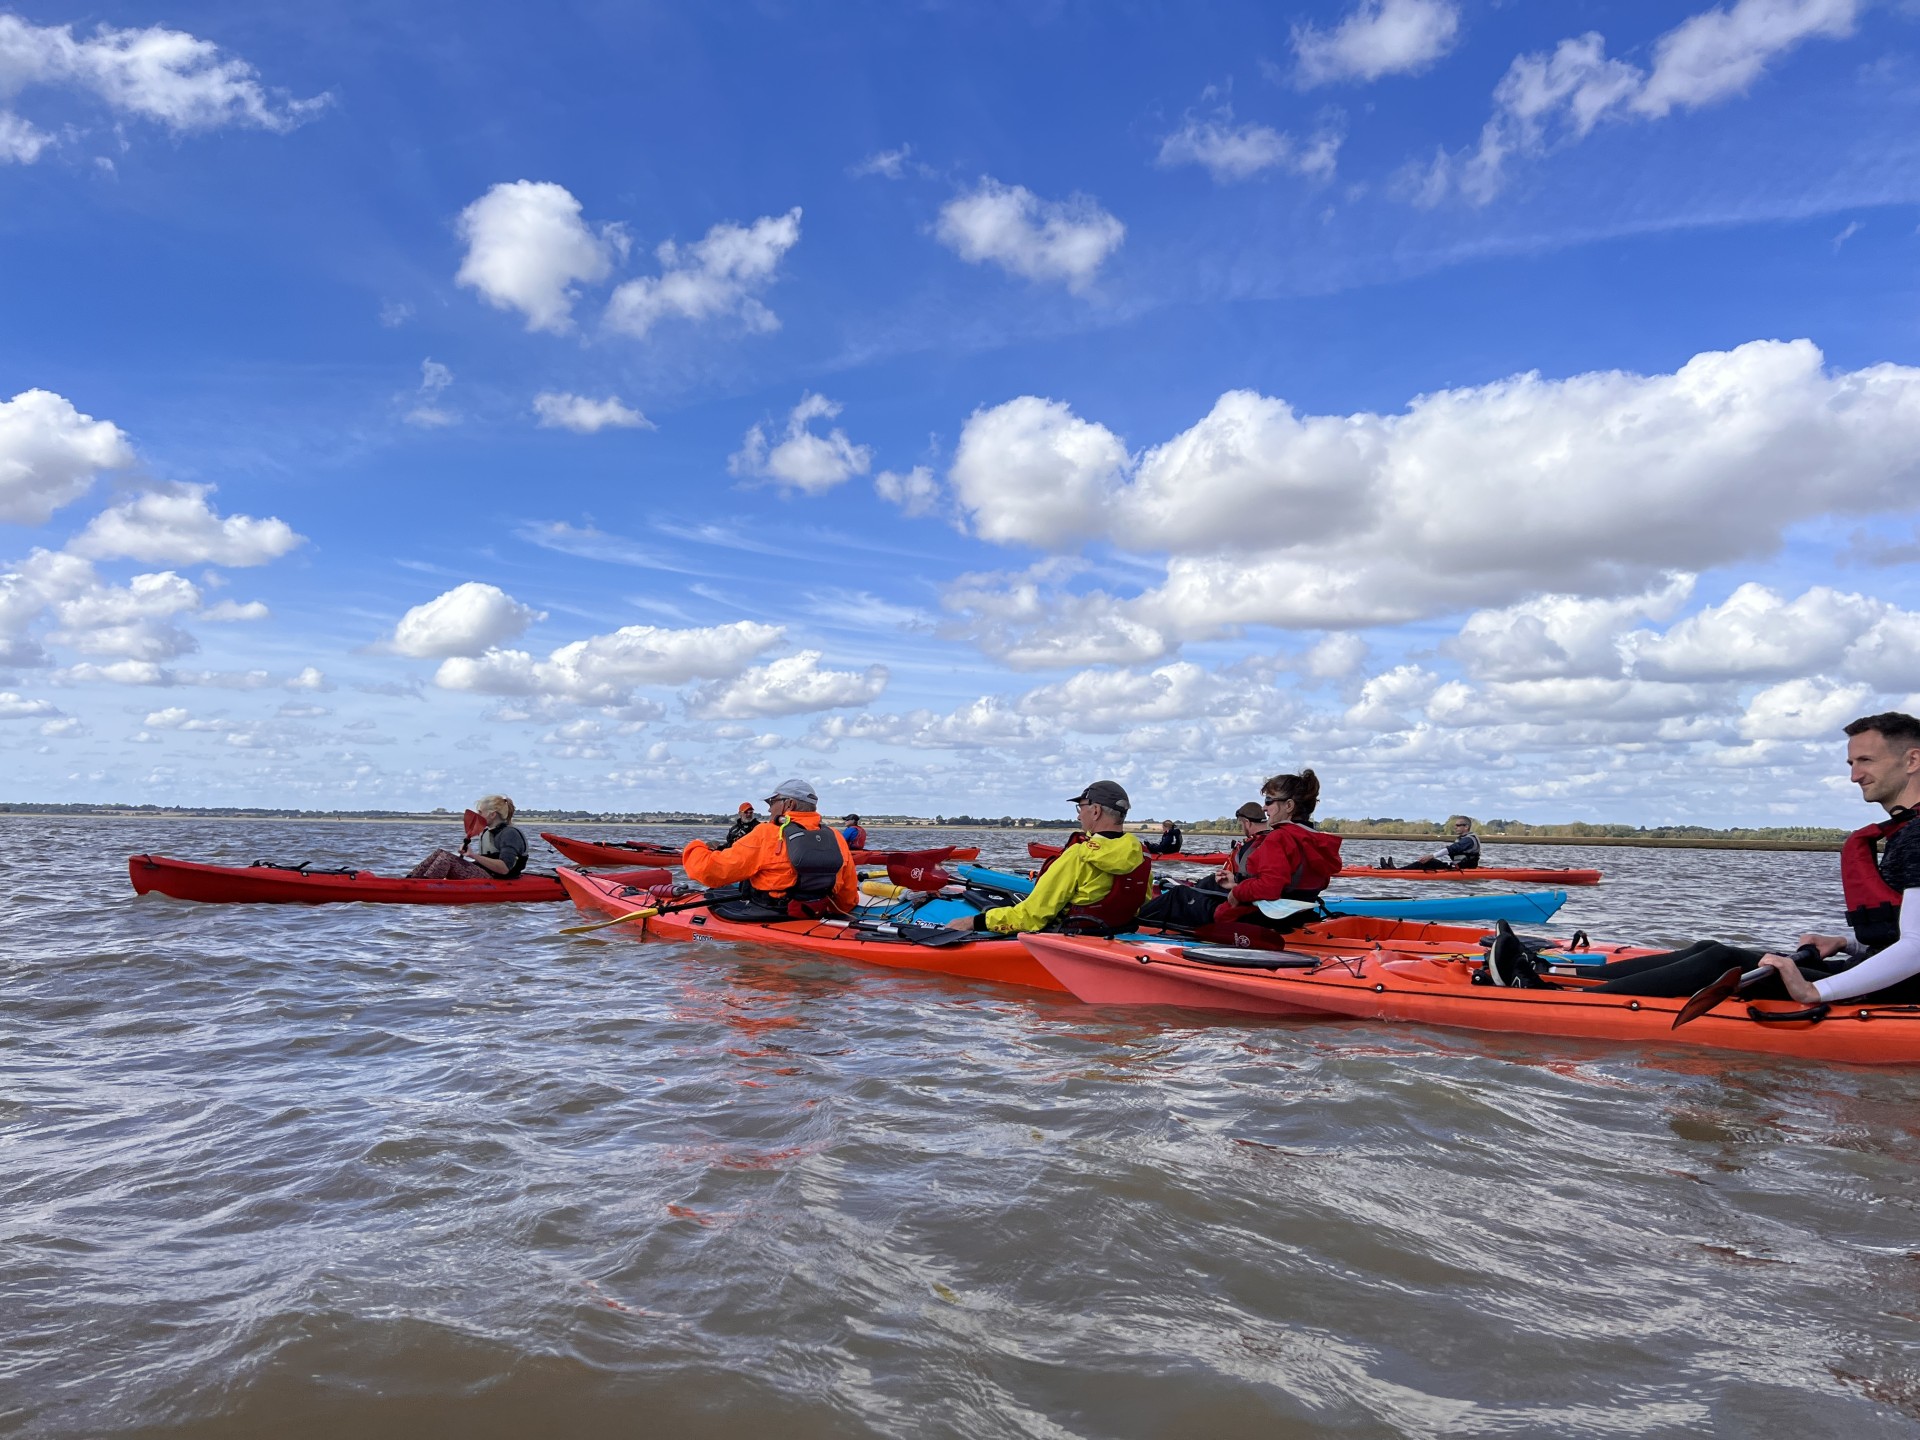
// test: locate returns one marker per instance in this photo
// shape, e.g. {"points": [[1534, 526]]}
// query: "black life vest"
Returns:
{"points": [[816, 856], [1237, 856], [1873, 906], [489, 846]]}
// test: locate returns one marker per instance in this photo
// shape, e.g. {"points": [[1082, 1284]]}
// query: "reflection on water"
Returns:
{"points": [[369, 1171]]}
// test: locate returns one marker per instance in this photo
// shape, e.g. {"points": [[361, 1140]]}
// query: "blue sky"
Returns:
{"points": [[1495, 407]]}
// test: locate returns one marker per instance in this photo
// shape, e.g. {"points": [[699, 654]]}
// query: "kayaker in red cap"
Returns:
{"points": [[1097, 883], [500, 854], [1880, 959], [793, 864], [743, 822]]}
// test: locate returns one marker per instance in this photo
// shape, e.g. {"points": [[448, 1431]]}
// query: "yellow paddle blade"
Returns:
{"points": [[602, 924]]}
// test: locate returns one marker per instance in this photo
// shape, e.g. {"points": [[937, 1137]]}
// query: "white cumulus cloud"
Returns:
{"points": [[605, 669], [527, 248], [1379, 37], [1064, 240], [1600, 486], [802, 460], [1551, 635], [21, 141], [563, 411], [226, 611], [792, 685], [50, 453], [714, 277], [466, 620], [1811, 708], [1230, 152], [166, 76], [178, 527], [1031, 472], [18, 707], [915, 491]]}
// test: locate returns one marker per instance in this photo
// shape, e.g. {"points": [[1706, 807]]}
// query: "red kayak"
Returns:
{"points": [[264, 884], [593, 853], [1525, 874], [1215, 858]]}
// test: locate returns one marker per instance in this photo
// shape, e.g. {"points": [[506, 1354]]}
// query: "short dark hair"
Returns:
{"points": [[1900, 728]]}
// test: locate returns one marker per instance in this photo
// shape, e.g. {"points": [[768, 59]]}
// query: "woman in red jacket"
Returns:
{"points": [[1294, 861]]}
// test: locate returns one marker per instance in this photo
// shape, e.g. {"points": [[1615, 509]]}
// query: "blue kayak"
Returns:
{"points": [[1519, 907]]}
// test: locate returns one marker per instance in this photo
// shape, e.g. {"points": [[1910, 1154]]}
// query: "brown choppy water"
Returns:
{"points": [[374, 1171]]}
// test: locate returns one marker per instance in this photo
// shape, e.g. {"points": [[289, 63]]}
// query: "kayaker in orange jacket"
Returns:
{"points": [[764, 858]]}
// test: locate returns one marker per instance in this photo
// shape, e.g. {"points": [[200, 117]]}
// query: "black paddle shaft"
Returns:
{"points": [[1753, 977]]}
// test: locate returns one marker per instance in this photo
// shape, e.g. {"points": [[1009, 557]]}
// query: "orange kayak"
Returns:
{"points": [[594, 853], [998, 958], [1438, 990], [263, 884]]}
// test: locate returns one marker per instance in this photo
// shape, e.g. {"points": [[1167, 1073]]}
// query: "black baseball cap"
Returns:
{"points": [[1107, 793]]}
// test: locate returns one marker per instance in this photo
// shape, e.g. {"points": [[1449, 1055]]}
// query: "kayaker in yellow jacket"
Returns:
{"points": [[1082, 876]]}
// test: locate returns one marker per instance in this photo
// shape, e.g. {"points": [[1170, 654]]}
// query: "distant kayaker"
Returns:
{"points": [[855, 834], [743, 822], [1099, 881], [1881, 959], [1292, 860], [792, 864], [1463, 853], [1188, 907], [1168, 843], [500, 849]]}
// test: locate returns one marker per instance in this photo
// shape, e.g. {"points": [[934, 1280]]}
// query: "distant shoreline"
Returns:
{"points": [[534, 821]]}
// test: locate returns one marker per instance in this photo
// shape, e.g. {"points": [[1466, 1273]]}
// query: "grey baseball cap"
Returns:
{"points": [[797, 791], [1107, 793], [1250, 811]]}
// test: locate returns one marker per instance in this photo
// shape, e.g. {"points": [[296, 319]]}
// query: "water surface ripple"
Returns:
{"points": [[370, 1171]]}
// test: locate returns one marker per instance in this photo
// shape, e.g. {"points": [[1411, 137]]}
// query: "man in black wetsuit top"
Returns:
{"points": [[1463, 853]]}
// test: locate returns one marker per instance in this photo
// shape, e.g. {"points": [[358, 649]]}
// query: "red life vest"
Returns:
{"points": [[1873, 906], [1114, 912]]}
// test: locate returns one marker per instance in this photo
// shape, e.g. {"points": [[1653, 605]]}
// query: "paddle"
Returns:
{"points": [[1731, 984], [640, 914], [934, 936], [914, 870], [475, 823]]}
